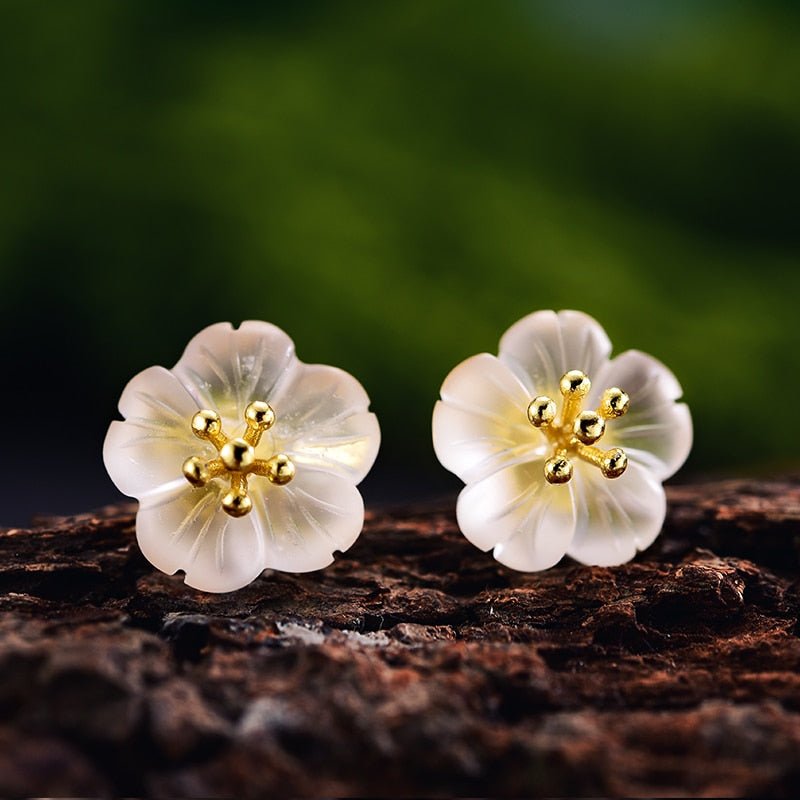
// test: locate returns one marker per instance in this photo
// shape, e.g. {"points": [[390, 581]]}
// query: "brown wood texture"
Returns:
{"points": [[414, 665]]}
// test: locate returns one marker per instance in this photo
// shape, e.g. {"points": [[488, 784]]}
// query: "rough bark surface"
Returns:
{"points": [[415, 665]]}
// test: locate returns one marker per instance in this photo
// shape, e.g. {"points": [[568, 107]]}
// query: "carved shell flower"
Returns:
{"points": [[522, 430], [242, 458]]}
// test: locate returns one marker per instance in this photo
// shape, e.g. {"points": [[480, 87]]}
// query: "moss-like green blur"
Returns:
{"points": [[395, 184]]}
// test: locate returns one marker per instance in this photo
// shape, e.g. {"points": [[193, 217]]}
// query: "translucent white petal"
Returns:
{"points": [[541, 347], [615, 518], [186, 529], [656, 431], [322, 421], [528, 522], [146, 452], [481, 421], [225, 368], [305, 521]]}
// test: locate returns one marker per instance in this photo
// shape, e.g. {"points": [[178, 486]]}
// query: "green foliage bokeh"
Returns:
{"points": [[395, 184]]}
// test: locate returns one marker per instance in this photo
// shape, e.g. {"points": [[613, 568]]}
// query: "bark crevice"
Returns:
{"points": [[414, 665]]}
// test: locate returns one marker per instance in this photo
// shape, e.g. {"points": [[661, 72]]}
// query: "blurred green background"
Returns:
{"points": [[394, 184]]}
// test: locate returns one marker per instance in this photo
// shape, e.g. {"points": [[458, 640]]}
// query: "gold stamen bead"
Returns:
{"points": [[259, 415], [614, 463], [575, 383], [589, 427], [194, 471], [237, 454], [236, 504], [557, 470], [541, 411], [206, 424], [280, 469], [614, 403]]}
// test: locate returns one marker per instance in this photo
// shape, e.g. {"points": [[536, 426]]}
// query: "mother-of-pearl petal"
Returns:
{"points": [[481, 422], [323, 421], [304, 522], [541, 347], [145, 453], [656, 432], [615, 518], [528, 522], [225, 368], [295, 528], [185, 529]]}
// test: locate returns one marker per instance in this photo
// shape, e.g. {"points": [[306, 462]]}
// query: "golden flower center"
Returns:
{"points": [[573, 432], [237, 460]]}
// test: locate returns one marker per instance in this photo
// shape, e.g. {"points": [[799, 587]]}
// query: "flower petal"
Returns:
{"points": [[528, 522], [305, 521], [541, 347], [656, 431], [224, 368], [322, 421], [481, 422], [145, 453], [186, 529], [615, 518]]}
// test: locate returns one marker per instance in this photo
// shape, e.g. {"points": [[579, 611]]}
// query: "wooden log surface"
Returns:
{"points": [[414, 665]]}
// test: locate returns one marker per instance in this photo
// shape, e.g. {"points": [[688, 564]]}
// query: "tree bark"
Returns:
{"points": [[414, 665]]}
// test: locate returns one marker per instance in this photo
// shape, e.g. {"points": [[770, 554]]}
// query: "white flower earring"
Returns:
{"points": [[242, 458], [538, 485]]}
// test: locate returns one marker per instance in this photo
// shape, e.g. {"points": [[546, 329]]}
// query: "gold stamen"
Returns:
{"points": [[199, 472], [194, 470], [279, 469], [614, 403], [237, 458], [259, 417], [236, 502], [541, 411], [589, 427], [612, 462], [237, 455], [574, 386], [557, 469], [575, 431], [207, 425], [615, 463]]}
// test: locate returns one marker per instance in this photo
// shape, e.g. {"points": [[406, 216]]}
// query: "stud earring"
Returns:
{"points": [[242, 458], [523, 429]]}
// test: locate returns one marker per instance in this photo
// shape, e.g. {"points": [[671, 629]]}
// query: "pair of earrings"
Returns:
{"points": [[244, 458]]}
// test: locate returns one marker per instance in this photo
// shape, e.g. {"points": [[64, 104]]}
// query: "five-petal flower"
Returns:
{"points": [[538, 487], [243, 458]]}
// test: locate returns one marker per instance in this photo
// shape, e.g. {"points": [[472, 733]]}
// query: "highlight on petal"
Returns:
{"points": [[528, 522], [323, 421], [306, 521], [185, 529], [615, 518], [481, 421], [145, 453], [656, 431], [541, 347], [224, 368]]}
